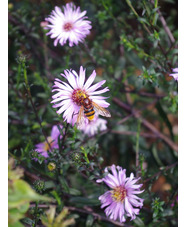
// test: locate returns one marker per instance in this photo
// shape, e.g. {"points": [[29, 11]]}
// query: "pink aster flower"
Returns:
{"points": [[71, 24], [93, 127], [69, 95], [121, 200], [42, 148], [174, 74]]}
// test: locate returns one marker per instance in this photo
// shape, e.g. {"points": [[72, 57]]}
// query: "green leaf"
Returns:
{"points": [[28, 221], [14, 216], [60, 221], [156, 35], [74, 191], [51, 214], [139, 222], [57, 197], [143, 20], [64, 184], [61, 216], [17, 224], [20, 193], [14, 174], [23, 208], [89, 220]]}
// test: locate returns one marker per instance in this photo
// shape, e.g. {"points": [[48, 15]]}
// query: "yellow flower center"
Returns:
{"points": [[67, 27], [78, 95], [119, 193], [46, 145]]}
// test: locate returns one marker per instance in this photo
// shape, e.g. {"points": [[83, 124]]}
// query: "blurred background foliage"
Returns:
{"points": [[132, 49]]}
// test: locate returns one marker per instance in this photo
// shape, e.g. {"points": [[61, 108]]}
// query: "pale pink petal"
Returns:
{"points": [[95, 86], [99, 91], [64, 107], [60, 20], [90, 80], [81, 79], [71, 79]]}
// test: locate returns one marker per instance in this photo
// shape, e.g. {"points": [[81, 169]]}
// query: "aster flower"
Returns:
{"points": [[121, 200], [174, 74], [93, 127], [69, 95], [69, 24], [42, 148]]}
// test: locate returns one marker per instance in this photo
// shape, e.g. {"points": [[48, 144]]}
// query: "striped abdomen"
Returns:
{"points": [[89, 113], [88, 109]]}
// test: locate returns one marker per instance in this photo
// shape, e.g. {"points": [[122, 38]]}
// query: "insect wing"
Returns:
{"points": [[102, 111], [80, 118]]}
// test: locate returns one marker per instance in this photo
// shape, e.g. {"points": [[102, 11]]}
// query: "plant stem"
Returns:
{"points": [[35, 213], [161, 171], [163, 21], [96, 216], [18, 75], [45, 53], [147, 124], [89, 53], [30, 97], [147, 8], [149, 32], [154, 17], [136, 14], [64, 138], [137, 146]]}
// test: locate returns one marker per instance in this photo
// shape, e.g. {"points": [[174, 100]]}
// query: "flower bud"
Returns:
{"points": [[51, 166], [21, 58], [39, 186], [76, 157]]}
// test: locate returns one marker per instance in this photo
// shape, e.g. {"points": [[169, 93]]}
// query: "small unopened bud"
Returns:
{"points": [[21, 58], [39, 186], [76, 157], [51, 166]]}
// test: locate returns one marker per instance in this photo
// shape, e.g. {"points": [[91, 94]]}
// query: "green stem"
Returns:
{"points": [[67, 62], [30, 97], [64, 138], [148, 31], [45, 52], [18, 75], [154, 17], [147, 8], [156, 3], [136, 14], [35, 213], [25, 77], [89, 53], [137, 145]]}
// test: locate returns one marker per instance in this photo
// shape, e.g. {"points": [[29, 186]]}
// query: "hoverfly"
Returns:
{"points": [[88, 109]]}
